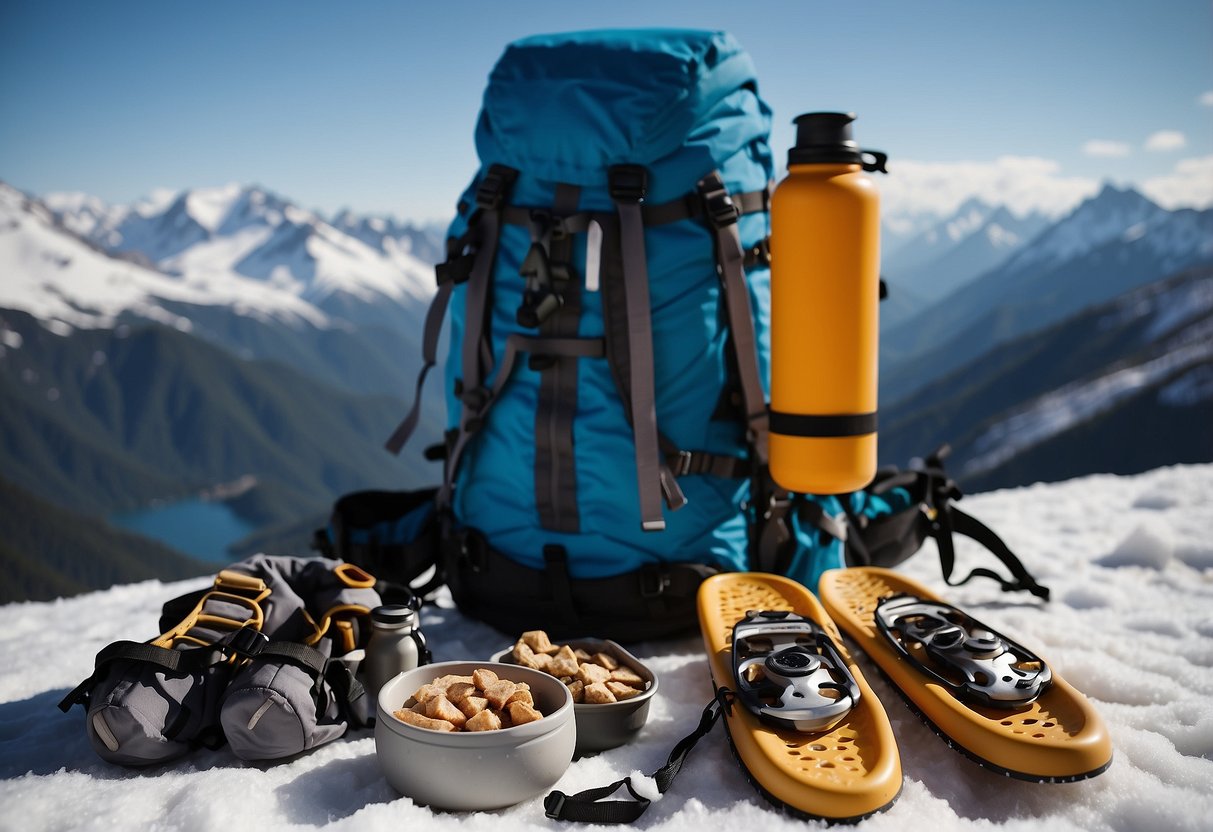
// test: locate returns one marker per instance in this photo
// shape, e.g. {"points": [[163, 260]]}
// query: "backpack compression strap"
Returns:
{"points": [[658, 460], [628, 186], [555, 474]]}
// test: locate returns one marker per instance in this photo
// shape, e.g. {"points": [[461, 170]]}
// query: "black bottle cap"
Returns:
{"points": [[393, 615], [825, 138]]}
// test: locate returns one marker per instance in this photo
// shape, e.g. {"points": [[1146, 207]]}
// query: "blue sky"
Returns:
{"points": [[372, 105]]}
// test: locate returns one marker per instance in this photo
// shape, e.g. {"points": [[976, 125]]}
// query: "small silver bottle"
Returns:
{"points": [[396, 645]]}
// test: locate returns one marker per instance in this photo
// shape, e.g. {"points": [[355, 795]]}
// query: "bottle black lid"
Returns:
{"points": [[393, 615], [825, 138]]}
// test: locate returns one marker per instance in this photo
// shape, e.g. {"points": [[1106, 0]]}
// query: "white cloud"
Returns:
{"points": [[1163, 140], [1023, 184], [1206, 99], [1104, 148], [1189, 185]]}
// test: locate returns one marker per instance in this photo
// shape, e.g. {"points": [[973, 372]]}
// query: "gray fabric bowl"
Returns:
{"points": [[612, 724], [475, 770]]}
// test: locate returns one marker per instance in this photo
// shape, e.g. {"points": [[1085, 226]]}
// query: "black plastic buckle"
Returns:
{"points": [[654, 581], [540, 363], [553, 805], [490, 193], [628, 183], [248, 642], [758, 254], [471, 550], [537, 306], [720, 209], [475, 399], [455, 269]]}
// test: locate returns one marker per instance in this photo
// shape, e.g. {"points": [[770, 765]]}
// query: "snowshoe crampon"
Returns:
{"points": [[985, 695], [805, 726]]}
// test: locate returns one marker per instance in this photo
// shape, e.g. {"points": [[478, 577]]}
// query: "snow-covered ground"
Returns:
{"points": [[1129, 560]]}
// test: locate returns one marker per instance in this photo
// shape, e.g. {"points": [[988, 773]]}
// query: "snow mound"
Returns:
{"points": [[1151, 545], [1137, 640]]}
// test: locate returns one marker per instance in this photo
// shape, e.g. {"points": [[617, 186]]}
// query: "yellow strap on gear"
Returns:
{"points": [[353, 576], [231, 587], [341, 618]]}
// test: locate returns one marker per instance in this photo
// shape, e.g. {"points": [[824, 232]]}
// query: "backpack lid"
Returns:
{"points": [[564, 107]]}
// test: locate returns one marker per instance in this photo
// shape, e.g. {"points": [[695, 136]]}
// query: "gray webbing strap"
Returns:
{"points": [[476, 352], [687, 207], [515, 344], [628, 184], [555, 471], [722, 214], [429, 355]]}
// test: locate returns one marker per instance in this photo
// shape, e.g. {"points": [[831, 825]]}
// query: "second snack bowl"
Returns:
{"points": [[608, 725], [474, 771]]}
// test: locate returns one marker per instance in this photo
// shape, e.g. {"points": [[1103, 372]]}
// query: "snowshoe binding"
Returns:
{"points": [[961, 653], [804, 724], [986, 695], [789, 673]]}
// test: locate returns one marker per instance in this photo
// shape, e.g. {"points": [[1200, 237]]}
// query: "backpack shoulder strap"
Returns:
{"points": [[721, 214], [476, 353]]}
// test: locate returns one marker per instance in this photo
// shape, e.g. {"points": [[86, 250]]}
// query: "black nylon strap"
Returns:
{"points": [[812, 512], [952, 519], [301, 655], [801, 424], [696, 463], [589, 806], [554, 470], [175, 662]]}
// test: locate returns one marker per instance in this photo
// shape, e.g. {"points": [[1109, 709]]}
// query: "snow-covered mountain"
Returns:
{"points": [[1119, 387], [930, 242], [1112, 214], [67, 281], [1173, 359], [238, 266], [247, 231], [380, 232], [1109, 244], [974, 240]]}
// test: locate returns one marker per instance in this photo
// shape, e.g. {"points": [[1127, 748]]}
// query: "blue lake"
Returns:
{"points": [[200, 528]]}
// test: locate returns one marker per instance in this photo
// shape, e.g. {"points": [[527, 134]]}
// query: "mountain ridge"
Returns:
{"points": [[1143, 352], [1132, 242]]}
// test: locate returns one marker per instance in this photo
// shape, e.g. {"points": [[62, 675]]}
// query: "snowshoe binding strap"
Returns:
{"points": [[789, 673], [972, 660]]}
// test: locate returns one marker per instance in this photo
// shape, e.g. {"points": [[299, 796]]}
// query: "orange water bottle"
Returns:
{"points": [[825, 293]]}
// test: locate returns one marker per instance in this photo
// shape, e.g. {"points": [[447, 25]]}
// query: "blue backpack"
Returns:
{"points": [[607, 285]]}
